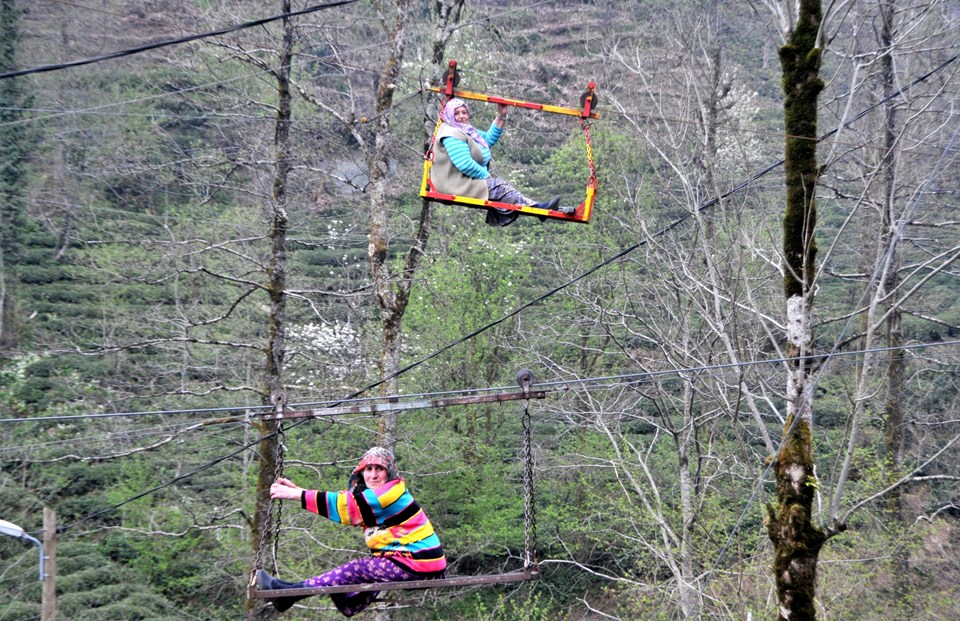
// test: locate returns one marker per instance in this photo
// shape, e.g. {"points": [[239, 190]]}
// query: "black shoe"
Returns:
{"points": [[550, 204], [266, 582]]}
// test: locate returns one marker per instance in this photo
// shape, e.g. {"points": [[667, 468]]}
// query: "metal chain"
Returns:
{"points": [[258, 557], [593, 171], [433, 139], [529, 508], [279, 401]]}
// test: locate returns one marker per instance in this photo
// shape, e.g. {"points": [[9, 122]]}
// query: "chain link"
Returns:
{"points": [[261, 548], [529, 508], [279, 401], [593, 171], [433, 139]]}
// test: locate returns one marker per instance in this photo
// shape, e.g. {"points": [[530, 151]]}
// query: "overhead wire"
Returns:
{"points": [[168, 42], [588, 383], [161, 486], [633, 377], [180, 27], [256, 73], [605, 263]]}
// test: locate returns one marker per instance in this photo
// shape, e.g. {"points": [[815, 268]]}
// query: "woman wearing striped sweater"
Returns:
{"points": [[461, 164], [397, 531]]}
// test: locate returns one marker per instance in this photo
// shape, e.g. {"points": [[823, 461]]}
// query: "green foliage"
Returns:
{"points": [[528, 608], [13, 379], [14, 147], [833, 401], [89, 588], [20, 611], [481, 281], [175, 568]]}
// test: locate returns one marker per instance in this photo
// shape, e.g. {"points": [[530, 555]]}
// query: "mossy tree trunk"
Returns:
{"points": [[276, 289], [796, 539]]}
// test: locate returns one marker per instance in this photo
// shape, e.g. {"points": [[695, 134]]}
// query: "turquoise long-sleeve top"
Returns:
{"points": [[459, 152]]}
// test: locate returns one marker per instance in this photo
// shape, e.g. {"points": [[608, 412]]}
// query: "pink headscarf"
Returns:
{"points": [[447, 116]]}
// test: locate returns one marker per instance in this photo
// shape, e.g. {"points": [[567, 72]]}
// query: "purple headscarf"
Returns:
{"points": [[447, 116]]}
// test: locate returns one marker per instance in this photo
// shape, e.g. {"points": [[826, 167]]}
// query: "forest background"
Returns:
{"points": [[194, 229]]}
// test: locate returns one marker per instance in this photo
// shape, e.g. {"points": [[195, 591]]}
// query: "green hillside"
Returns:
{"points": [[150, 204]]}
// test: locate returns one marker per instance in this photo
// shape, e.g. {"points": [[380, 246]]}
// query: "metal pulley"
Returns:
{"points": [[451, 78], [525, 379], [589, 100]]}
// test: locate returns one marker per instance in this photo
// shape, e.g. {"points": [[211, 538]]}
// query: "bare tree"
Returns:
{"points": [[893, 274], [689, 301], [273, 393], [392, 293]]}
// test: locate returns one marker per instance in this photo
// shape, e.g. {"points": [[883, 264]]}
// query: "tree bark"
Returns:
{"points": [[796, 540], [448, 18], [392, 291], [893, 416], [391, 296], [686, 445], [276, 288]]}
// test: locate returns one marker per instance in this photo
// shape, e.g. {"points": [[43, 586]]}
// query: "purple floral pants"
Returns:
{"points": [[501, 191], [359, 571]]}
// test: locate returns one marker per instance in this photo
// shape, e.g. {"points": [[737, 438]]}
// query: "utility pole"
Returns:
{"points": [[48, 606]]}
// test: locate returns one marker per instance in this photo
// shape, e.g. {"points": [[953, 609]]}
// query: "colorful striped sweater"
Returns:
{"points": [[394, 524]]}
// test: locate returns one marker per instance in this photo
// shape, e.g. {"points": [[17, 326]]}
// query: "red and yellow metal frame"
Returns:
{"points": [[578, 112], [583, 212]]}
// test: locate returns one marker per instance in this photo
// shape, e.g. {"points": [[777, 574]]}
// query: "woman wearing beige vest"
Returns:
{"points": [[462, 160]]}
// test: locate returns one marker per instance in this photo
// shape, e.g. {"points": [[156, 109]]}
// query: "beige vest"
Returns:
{"points": [[445, 176]]}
